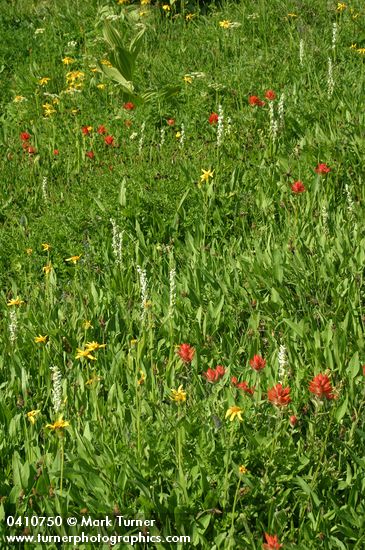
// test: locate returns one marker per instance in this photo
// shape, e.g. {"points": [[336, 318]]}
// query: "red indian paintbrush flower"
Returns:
{"points": [[293, 420], [213, 375], [171, 121], [272, 542], [279, 396], [254, 100], [56, 152], [109, 140], [186, 353], [24, 136], [213, 119], [90, 154], [86, 130], [321, 387], [101, 130], [129, 106], [32, 150], [257, 362], [298, 187], [245, 388], [322, 169], [270, 94]]}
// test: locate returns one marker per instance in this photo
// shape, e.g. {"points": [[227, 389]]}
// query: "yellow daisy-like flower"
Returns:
{"points": [[43, 81], [293, 15], [48, 109], [188, 79], [84, 353], [101, 86], [93, 69], [122, 2], [19, 99], [234, 412], [94, 346], [93, 380], [225, 24], [68, 60], [74, 75], [341, 7], [206, 175], [41, 339], [178, 395], [145, 2], [178, 135], [31, 415], [242, 469], [15, 302], [29, 251], [87, 324], [47, 269], [73, 259], [46, 247], [142, 378], [134, 342], [106, 62], [166, 7], [59, 424], [353, 46], [190, 16]]}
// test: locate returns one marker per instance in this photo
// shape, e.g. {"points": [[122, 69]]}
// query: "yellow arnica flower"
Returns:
{"points": [[242, 469], [93, 380], [31, 415], [225, 24], [19, 98], [292, 15], [106, 63], [206, 175], [178, 395], [46, 247], [48, 109], [68, 60], [87, 324], [59, 424], [233, 412], [73, 259], [94, 346], [41, 339], [142, 378], [29, 251], [15, 302], [166, 7], [145, 2], [84, 353], [188, 79], [341, 7], [101, 86], [353, 46], [47, 269], [43, 81]]}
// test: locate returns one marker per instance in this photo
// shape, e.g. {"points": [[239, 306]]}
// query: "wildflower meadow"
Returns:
{"points": [[182, 251]]}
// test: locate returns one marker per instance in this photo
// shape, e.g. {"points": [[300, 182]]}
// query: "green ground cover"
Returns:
{"points": [[182, 264]]}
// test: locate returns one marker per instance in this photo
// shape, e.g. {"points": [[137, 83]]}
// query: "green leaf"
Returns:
{"points": [[342, 409]]}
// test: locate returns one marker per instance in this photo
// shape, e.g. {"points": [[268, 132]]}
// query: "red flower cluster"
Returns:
{"points": [[86, 130], [109, 140], [257, 362], [293, 420], [90, 154], [101, 130], [171, 121], [298, 187], [129, 106], [242, 386], [213, 119], [270, 94], [321, 387], [213, 375], [279, 396], [25, 137], [322, 169], [186, 353], [272, 542], [254, 100]]}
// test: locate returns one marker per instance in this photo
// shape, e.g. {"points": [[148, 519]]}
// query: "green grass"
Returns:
{"points": [[257, 267]]}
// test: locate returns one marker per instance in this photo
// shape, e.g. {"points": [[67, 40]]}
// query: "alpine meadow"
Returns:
{"points": [[182, 284]]}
